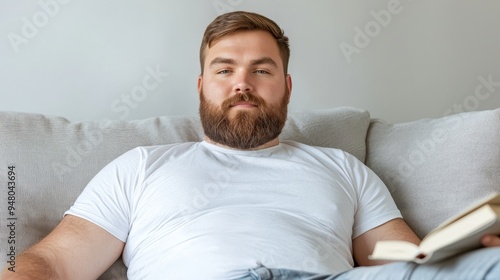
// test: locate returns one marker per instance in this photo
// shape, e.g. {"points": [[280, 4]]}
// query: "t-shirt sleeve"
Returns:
{"points": [[106, 200], [375, 205]]}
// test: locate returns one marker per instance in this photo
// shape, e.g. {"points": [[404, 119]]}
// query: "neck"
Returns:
{"points": [[269, 144]]}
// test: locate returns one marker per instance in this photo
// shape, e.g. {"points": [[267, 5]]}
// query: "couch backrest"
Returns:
{"points": [[53, 159], [435, 168]]}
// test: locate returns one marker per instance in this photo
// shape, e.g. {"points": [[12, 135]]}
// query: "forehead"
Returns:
{"points": [[244, 45]]}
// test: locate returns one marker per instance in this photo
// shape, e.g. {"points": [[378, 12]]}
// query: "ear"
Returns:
{"points": [[289, 85], [200, 83]]}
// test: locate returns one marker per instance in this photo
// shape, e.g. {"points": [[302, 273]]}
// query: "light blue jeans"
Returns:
{"points": [[479, 264]]}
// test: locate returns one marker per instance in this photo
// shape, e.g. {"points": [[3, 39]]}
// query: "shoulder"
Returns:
{"points": [[329, 152], [139, 158], [329, 157], [159, 150]]}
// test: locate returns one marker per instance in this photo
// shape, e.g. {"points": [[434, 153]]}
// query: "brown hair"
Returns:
{"points": [[232, 22]]}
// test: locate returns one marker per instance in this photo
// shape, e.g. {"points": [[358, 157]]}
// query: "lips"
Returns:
{"points": [[244, 104]]}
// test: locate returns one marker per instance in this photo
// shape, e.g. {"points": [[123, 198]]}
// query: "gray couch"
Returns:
{"points": [[432, 167]]}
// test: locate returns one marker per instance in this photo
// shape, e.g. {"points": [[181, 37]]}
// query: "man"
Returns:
{"points": [[282, 210]]}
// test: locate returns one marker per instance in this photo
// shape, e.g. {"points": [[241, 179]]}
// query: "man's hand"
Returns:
{"points": [[490, 240]]}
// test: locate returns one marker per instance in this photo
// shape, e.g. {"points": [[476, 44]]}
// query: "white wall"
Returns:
{"points": [[82, 59]]}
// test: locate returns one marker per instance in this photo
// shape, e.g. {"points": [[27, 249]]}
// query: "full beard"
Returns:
{"points": [[246, 129]]}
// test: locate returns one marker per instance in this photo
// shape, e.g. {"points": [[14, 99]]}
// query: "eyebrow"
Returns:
{"points": [[265, 60], [259, 61]]}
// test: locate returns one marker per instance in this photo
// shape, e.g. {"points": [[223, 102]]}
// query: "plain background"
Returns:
{"points": [[401, 60]]}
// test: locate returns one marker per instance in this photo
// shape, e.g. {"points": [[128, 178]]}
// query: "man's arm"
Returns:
{"points": [[75, 249], [396, 229]]}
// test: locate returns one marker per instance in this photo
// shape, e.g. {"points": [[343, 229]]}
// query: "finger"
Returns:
{"points": [[490, 240]]}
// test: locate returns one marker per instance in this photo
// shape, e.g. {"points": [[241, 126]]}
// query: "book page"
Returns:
{"points": [[493, 198], [474, 222]]}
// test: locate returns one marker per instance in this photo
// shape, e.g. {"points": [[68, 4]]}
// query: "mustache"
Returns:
{"points": [[242, 97]]}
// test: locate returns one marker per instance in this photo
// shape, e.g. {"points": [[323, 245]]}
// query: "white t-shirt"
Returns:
{"points": [[200, 211]]}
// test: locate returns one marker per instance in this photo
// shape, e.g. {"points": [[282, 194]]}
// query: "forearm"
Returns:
{"points": [[32, 264]]}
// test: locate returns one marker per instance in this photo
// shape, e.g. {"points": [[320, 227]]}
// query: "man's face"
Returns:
{"points": [[244, 91]]}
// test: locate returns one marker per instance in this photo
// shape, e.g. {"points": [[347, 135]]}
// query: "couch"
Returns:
{"points": [[432, 167]]}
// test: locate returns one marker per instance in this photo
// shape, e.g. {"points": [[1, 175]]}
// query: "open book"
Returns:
{"points": [[456, 235]]}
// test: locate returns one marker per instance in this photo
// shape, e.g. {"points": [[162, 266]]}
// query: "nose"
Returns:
{"points": [[242, 83]]}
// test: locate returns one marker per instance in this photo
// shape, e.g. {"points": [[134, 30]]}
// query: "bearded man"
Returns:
{"points": [[277, 210]]}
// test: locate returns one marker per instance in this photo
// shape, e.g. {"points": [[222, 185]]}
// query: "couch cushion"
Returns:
{"points": [[343, 128], [54, 159], [434, 168]]}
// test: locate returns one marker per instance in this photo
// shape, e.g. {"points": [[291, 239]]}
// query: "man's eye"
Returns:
{"points": [[223, 72], [261, 72]]}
